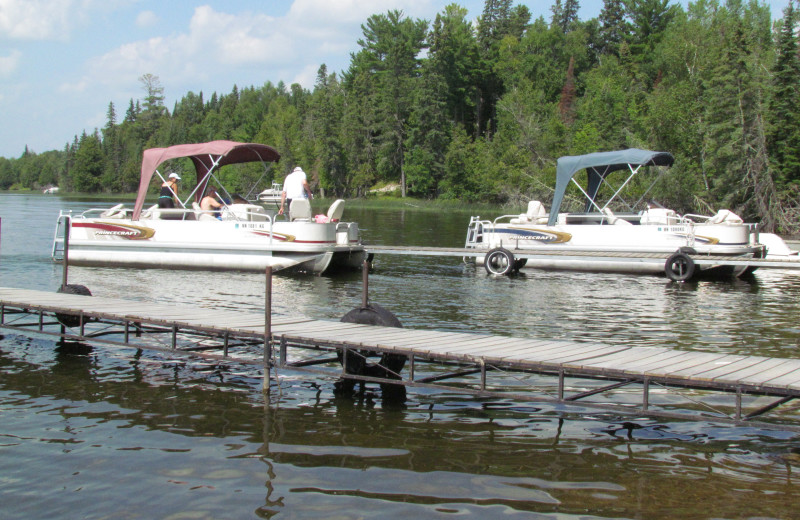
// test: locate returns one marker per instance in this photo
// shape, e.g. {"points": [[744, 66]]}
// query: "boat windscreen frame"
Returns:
{"points": [[598, 166]]}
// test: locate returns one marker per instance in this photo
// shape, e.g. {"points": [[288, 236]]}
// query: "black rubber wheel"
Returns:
{"points": [[679, 267], [357, 362], [519, 264], [72, 320], [499, 261]]}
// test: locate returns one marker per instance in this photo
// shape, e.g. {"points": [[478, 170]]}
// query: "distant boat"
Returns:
{"points": [[51, 190], [272, 195]]}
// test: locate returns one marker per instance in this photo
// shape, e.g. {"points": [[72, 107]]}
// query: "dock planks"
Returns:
{"points": [[774, 376]]}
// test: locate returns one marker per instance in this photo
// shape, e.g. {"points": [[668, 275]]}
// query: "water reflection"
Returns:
{"points": [[179, 423], [106, 433]]}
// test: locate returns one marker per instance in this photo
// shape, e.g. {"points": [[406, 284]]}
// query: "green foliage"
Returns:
{"points": [[87, 168], [481, 111], [784, 109]]}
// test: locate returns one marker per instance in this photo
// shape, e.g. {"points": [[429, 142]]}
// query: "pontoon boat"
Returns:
{"points": [[242, 236], [642, 235]]}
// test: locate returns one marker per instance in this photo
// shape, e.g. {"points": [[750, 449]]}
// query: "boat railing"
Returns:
{"points": [[59, 241], [476, 232], [237, 212]]}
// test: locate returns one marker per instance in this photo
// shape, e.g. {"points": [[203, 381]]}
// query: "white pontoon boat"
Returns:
{"points": [[271, 195], [243, 236], [642, 235]]}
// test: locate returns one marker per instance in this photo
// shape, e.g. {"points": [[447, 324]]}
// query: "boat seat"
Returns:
{"points": [[149, 212], [613, 219], [536, 214], [300, 209], [114, 212], [199, 214], [725, 216], [661, 216], [335, 211]]}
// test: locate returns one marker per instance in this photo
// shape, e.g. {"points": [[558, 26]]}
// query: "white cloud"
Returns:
{"points": [[243, 38], [8, 64], [147, 19], [327, 13], [37, 19], [308, 76], [214, 44]]}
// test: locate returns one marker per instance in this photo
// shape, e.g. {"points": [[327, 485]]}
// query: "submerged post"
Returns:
{"points": [[64, 273], [365, 285], [267, 328]]}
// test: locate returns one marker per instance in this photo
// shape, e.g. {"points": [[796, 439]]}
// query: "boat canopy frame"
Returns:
{"points": [[598, 166], [205, 156]]}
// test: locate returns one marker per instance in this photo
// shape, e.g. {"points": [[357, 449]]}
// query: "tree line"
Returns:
{"points": [[451, 109]]}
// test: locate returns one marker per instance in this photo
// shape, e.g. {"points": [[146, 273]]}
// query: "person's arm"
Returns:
{"points": [[283, 201], [308, 190]]}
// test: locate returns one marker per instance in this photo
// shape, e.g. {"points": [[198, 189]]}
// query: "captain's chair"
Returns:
{"points": [[300, 209], [536, 214], [335, 211]]}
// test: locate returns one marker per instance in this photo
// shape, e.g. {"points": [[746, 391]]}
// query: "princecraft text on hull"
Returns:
{"points": [[240, 235], [642, 228]]}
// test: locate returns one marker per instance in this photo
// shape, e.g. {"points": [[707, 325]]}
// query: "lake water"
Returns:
{"points": [[103, 433]]}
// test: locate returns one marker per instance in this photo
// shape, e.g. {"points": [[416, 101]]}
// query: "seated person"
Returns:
{"points": [[210, 204]]}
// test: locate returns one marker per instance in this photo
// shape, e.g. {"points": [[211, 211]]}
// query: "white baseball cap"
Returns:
{"points": [[174, 175]]}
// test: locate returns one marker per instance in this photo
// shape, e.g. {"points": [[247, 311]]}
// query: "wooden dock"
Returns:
{"points": [[587, 256], [528, 369]]}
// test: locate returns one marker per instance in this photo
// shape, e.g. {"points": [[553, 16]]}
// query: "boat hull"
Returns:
{"points": [[638, 249], [214, 245]]}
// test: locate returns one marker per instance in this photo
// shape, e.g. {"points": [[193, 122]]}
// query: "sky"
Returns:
{"points": [[63, 61]]}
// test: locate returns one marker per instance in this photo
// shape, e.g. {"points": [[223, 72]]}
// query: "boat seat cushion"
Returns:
{"points": [[335, 211], [613, 219], [725, 216], [114, 212], [536, 214], [300, 209]]}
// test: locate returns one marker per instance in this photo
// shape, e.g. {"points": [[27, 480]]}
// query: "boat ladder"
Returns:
{"points": [[475, 236], [62, 228]]}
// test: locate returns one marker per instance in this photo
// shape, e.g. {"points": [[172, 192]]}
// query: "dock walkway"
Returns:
{"points": [[585, 256], [446, 355]]}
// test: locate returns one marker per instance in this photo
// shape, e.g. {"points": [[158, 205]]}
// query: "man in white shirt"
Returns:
{"points": [[295, 186]]}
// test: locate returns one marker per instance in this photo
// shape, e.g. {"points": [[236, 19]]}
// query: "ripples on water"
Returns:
{"points": [[119, 433]]}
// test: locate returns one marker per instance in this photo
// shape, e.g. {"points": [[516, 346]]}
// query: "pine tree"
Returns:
{"points": [[453, 55], [649, 20], [613, 27], [565, 17], [784, 136]]}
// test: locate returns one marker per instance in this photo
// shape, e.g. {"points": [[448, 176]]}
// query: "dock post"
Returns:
{"points": [[365, 285], [65, 260], [738, 415], [268, 329]]}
